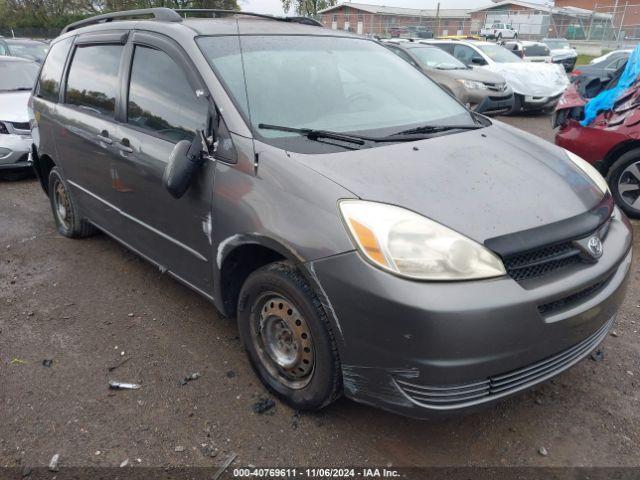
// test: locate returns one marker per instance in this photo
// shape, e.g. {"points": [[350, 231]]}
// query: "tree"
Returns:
{"points": [[307, 7], [55, 14]]}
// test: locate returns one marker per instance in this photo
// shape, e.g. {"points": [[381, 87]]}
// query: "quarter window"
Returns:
{"points": [[93, 78], [49, 83], [161, 99]]}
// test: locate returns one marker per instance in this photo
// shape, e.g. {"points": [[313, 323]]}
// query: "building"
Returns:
{"points": [[392, 21], [536, 20]]}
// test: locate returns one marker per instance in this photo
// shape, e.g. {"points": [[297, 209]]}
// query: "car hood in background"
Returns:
{"points": [[482, 183], [14, 106], [535, 79], [477, 75]]}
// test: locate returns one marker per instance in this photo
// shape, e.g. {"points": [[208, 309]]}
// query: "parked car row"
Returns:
{"points": [[17, 78], [34, 50], [372, 235]]}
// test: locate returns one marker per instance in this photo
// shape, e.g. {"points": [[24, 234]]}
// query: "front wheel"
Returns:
{"points": [[624, 181], [288, 338]]}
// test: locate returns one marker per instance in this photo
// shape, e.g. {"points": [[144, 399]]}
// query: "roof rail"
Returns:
{"points": [[162, 14], [302, 20], [170, 15]]}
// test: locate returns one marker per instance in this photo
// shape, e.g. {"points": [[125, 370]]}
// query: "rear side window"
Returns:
{"points": [[92, 83], [536, 51], [49, 83], [161, 99]]}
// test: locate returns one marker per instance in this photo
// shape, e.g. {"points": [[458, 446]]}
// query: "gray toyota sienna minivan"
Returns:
{"points": [[371, 235]]}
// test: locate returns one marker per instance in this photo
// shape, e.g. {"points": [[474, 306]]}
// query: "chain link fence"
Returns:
{"points": [[36, 33]]}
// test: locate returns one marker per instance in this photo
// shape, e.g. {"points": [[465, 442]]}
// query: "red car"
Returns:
{"points": [[611, 143]]}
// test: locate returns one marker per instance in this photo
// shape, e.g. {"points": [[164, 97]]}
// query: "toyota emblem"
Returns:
{"points": [[594, 246]]}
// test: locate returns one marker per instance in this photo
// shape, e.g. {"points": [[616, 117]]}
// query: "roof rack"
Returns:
{"points": [[163, 14], [303, 20]]}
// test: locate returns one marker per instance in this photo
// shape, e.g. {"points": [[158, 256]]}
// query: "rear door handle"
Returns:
{"points": [[104, 137]]}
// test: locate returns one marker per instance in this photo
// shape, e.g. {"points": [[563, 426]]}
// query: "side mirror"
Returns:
{"points": [[184, 161], [478, 61]]}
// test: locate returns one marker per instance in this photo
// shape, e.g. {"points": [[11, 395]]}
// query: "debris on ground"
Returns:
{"points": [[538, 401], [597, 356], [17, 361], [295, 420], [179, 448], [263, 405], [232, 456], [111, 369], [113, 385], [53, 463], [543, 451], [231, 374], [124, 463], [47, 362], [614, 333], [193, 376]]}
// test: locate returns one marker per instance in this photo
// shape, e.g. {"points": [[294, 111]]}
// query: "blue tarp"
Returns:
{"points": [[607, 98]]}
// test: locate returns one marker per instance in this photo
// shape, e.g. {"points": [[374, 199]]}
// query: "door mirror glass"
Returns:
{"points": [[477, 60], [186, 157]]}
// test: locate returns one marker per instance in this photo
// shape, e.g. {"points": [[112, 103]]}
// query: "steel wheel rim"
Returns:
{"points": [[282, 340], [629, 185], [62, 205]]}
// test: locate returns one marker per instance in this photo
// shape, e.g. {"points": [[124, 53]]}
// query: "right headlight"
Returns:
{"points": [[589, 170], [410, 245]]}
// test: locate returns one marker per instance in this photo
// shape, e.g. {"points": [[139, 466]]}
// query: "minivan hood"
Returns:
{"points": [[14, 106], [482, 183], [535, 79]]}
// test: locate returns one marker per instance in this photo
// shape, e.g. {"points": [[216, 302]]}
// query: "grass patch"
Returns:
{"points": [[584, 59]]}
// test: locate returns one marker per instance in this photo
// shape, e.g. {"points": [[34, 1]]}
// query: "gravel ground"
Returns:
{"points": [[91, 305]]}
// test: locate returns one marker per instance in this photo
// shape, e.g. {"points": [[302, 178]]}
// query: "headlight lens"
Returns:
{"points": [[589, 170], [472, 84], [413, 246]]}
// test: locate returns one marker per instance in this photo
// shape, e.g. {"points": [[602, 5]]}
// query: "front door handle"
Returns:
{"points": [[103, 137], [125, 146]]}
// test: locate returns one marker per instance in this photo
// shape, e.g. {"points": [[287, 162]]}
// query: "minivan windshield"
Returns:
{"points": [[338, 84], [499, 54]]}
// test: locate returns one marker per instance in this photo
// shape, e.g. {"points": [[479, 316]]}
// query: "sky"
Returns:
{"points": [[275, 6]]}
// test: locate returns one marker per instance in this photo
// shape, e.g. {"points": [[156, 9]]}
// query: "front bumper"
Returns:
{"points": [[14, 152], [494, 104], [531, 102], [425, 349]]}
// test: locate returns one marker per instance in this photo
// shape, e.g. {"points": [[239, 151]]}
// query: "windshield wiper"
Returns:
{"points": [[313, 134], [437, 128]]}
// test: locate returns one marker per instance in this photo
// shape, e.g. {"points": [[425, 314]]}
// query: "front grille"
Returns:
{"points": [[536, 263], [447, 397], [573, 299], [496, 87], [541, 261]]}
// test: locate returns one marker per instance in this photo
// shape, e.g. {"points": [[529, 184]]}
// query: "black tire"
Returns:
{"points": [[68, 220], [616, 174], [515, 37], [283, 281], [499, 37]]}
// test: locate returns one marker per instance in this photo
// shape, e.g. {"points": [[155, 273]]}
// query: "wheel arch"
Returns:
{"points": [[240, 255], [615, 153]]}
